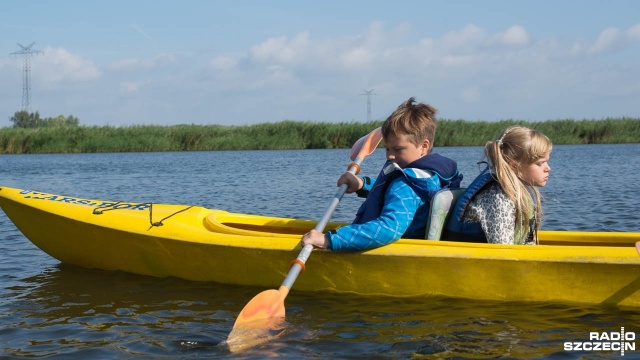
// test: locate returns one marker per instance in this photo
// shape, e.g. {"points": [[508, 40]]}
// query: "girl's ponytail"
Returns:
{"points": [[515, 148]]}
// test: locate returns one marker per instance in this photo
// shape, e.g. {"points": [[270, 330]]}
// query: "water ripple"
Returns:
{"points": [[53, 310]]}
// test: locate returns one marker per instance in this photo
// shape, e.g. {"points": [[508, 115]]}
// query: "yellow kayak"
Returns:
{"points": [[201, 244]]}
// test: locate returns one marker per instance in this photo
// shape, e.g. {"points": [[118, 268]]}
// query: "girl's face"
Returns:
{"points": [[402, 151], [536, 174]]}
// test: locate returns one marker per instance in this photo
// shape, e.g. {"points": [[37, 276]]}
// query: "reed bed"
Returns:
{"points": [[290, 134]]}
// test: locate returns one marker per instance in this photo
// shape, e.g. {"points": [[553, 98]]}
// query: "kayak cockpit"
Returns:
{"points": [[224, 222]]}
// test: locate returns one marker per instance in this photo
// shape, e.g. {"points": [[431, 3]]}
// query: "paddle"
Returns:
{"points": [[269, 304]]}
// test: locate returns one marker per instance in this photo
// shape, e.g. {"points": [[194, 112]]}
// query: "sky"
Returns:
{"points": [[241, 62]]}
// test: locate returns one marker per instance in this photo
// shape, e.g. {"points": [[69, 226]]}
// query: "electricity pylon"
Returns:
{"points": [[369, 93], [26, 53]]}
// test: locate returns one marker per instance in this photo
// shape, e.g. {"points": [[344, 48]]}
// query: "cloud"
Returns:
{"points": [[467, 39], [281, 50], [224, 63], [634, 32], [346, 53], [131, 87], [358, 57], [609, 40], [57, 65], [477, 63], [303, 76], [514, 36], [377, 50]]}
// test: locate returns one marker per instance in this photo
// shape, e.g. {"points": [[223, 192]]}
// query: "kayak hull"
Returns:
{"points": [[200, 244]]}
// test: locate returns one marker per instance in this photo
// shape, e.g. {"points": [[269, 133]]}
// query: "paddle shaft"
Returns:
{"points": [[295, 269], [269, 304]]}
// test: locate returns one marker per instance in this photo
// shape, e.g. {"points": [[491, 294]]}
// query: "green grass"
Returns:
{"points": [[290, 135]]}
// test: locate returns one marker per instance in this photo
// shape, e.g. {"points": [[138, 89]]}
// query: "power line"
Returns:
{"points": [[368, 93], [26, 53]]}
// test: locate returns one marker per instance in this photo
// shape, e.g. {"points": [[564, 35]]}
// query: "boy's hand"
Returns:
{"points": [[353, 182], [315, 238]]}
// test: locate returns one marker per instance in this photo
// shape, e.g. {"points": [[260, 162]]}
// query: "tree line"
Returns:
{"points": [[24, 119]]}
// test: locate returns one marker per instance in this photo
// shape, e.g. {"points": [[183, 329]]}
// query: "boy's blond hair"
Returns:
{"points": [[416, 121]]}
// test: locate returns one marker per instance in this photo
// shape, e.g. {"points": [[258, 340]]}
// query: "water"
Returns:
{"points": [[52, 310]]}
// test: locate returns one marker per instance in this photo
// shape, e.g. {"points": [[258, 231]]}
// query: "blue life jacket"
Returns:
{"points": [[445, 169], [456, 229]]}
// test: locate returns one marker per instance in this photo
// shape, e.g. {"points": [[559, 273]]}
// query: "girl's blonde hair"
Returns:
{"points": [[517, 147]]}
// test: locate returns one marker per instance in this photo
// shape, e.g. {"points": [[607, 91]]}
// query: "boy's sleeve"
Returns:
{"points": [[367, 185], [400, 205]]}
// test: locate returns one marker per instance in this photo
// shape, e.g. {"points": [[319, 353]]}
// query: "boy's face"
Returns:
{"points": [[402, 151]]}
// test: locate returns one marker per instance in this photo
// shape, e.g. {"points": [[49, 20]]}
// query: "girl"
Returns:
{"points": [[502, 205]]}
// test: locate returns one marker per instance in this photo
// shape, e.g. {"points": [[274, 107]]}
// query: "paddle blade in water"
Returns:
{"points": [[266, 305], [241, 338], [258, 320]]}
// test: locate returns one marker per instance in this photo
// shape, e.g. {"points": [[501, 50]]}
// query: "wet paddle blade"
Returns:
{"points": [[268, 304], [258, 319], [241, 338]]}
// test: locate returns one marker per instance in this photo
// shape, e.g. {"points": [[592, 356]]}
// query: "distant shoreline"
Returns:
{"points": [[290, 135]]}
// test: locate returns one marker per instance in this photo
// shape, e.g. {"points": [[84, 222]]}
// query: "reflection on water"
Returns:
{"points": [[49, 309], [89, 313], [84, 309]]}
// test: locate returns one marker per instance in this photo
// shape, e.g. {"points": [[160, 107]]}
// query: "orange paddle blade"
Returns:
{"points": [[366, 144], [268, 304], [254, 326]]}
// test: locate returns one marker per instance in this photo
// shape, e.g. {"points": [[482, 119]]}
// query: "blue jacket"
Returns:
{"points": [[458, 230], [397, 203]]}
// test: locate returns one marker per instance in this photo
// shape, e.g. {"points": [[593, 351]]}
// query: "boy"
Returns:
{"points": [[397, 203]]}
